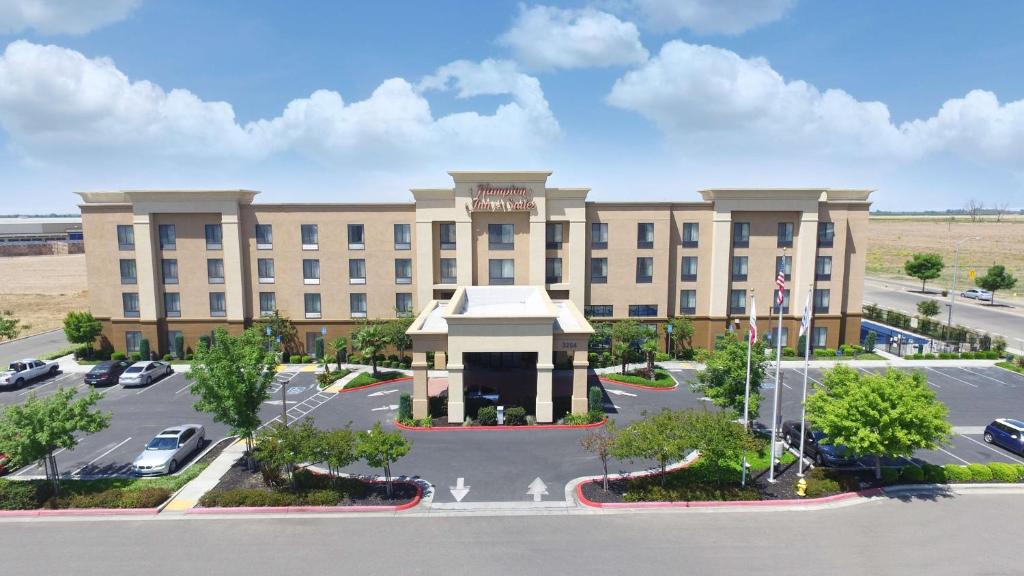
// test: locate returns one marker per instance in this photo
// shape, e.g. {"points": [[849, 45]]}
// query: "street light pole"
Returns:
{"points": [[956, 270]]}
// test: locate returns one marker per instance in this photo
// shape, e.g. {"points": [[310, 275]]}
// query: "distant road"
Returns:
{"points": [[1007, 322], [32, 347]]}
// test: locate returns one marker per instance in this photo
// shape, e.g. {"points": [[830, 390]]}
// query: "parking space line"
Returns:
{"points": [[155, 384], [60, 378], [91, 462], [34, 466], [952, 377], [953, 455], [1000, 452], [998, 381], [186, 387]]}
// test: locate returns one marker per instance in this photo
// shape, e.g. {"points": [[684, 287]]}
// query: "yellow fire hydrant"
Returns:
{"points": [[801, 487]]}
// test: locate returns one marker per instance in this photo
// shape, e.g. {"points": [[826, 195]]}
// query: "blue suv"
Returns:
{"points": [[1008, 433]]}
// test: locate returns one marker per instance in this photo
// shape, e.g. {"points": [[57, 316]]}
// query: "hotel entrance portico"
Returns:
{"points": [[499, 328]]}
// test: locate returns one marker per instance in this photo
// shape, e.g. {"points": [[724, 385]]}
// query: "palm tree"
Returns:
{"points": [[370, 340]]}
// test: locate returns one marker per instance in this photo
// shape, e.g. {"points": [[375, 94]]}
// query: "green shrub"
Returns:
{"points": [[592, 358], [890, 475], [934, 474], [662, 357], [204, 341], [1003, 472], [488, 416], [1019, 469], [515, 416], [321, 498], [306, 359], [118, 356], [294, 359], [144, 348], [824, 353], [19, 495], [662, 379], [788, 351], [240, 497], [912, 475], [355, 358], [116, 498], [188, 357], [168, 358], [576, 419], [992, 355], [979, 472], [595, 416], [606, 359], [404, 407], [136, 356], [392, 357], [595, 399], [956, 473], [179, 346]]}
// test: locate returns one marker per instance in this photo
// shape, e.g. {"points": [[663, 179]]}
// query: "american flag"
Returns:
{"points": [[780, 282], [753, 322]]}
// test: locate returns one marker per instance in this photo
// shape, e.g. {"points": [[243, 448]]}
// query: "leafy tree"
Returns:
{"points": [[891, 414], [682, 332], [396, 333], [10, 326], [724, 376], [280, 326], [626, 336], [371, 339], [230, 376], [35, 429], [337, 449], [144, 348], [602, 334], [997, 278], [660, 437], [281, 448], [650, 350], [81, 328], [719, 439], [869, 342], [600, 442], [924, 266], [381, 449], [928, 308]]}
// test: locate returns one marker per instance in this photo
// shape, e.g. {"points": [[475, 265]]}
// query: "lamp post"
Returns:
{"points": [[956, 269]]}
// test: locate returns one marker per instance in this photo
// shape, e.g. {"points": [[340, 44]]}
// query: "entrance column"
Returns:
{"points": [[440, 361], [545, 408], [579, 381], [420, 404], [456, 404]]}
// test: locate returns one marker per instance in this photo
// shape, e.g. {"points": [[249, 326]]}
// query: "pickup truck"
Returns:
{"points": [[23, 371]]}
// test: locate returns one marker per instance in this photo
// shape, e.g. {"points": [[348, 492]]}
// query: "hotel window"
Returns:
{"points": [[501, 271], [125, 237], [448, 236], [821, 300], [215, 270], [218, 306], [687, 301], [643, 310], [819, 337], [501, 236], [172, 304], [130, 303], [739, 268], [644, 270], [356, 237], [172, 337], [645, 235], [741, 234], [598, 270], [689, 269], [310, 237], [264, 236], [770, 336], [448, 271], [403, 271], [785, 234], [598, 235], [598, 311], [265, 270], [784, 263], [310, 271], [553, 271], [357, 271], [403, 237], [132, 341], [128, 275], [312, 305], [403, 303], [214, 237], [691, 234], [553, 235], [169, 268], [737, 302], [268, 303], [785, 301], [826, 234], [168, 237], [823, 268], [357, 303]]}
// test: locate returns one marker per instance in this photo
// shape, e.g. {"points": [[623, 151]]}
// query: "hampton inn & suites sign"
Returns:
{"points": [[488, 198]]}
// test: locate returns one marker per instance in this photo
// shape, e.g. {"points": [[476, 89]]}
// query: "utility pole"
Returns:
{"points": [[956, 270]]}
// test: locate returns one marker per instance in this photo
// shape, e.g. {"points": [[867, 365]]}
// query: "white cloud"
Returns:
{"points": [[53, 99], [544, 37], [709, 16], [62, 16], [695, 94]]}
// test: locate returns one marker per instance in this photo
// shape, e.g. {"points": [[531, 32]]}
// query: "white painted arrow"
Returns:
{"points": [[386, 407], [383, 393], [460, 489], [537, 489], [619, 392]]}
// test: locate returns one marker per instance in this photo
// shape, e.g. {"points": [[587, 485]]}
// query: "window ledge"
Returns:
{"points": [[310, 246], [310, 281], [357, 280], [359, 314], [403, 246], [266, 280], [312, 314], [214, 246], [264, 246], [216, 280], [403, 280], [357, 246]]}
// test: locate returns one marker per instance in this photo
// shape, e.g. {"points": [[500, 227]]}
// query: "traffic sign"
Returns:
{"points": [[970, 274], [323, 331]]}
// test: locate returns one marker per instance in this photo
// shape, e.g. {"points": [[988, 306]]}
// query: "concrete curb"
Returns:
{"points": [[19, 338], [374, 385], [638, 386]]}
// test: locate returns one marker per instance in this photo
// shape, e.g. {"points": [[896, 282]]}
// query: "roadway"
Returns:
{"points": [[32, 346]]}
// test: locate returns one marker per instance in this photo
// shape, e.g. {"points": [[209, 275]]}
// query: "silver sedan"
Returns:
{"points": [[168, 449], [143, 373]]}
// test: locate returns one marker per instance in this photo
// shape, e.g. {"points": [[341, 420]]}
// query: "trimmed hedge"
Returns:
{"points": [[366, 378], [662, 379], [487, 416], [32, 495], [980, 472], [515, 416], [957, 473]]}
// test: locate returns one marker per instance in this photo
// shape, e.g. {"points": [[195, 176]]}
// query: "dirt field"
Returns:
{"points": [[40, 290], [892, 241]]}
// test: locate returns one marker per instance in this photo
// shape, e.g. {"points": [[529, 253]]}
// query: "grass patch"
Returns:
{"points": [[366, 378], [327, 378], [864, 356], [1011, 367], [314, 490], [662, 379]]}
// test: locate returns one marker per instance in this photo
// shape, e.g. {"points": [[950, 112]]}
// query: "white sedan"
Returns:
{"points": [[977, 294], [144, 373], [168, 449]]}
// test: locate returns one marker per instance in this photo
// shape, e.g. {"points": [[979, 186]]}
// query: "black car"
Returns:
{"points": [[106, 373], [816, 446]]}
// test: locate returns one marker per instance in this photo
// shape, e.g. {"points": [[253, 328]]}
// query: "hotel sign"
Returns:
{"points": [[487, 198]]}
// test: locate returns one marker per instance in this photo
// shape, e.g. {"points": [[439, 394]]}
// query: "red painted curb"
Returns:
{"points": [[375, 384], [525, 427], [722, 503], [313, 509], [638, 386], [81, 512]]}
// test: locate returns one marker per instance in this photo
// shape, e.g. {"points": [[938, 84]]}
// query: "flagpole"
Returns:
{"points": [[746, 394], [807, 352], [778, 384]]}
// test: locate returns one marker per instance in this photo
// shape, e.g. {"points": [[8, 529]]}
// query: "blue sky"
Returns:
{"points": [[637, 99]]}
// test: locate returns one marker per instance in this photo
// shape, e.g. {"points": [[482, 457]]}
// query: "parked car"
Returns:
{"points": [[977, 294], [24, 371], [1008, 433], [816, 446], [143, 373], [106, 373], [168, 449]]}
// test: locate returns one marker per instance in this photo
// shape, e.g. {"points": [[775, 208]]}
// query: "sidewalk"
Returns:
{"points": [[189, 496]]}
